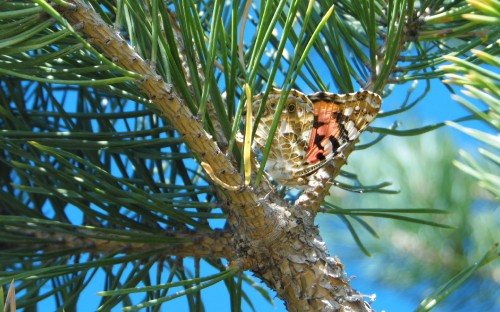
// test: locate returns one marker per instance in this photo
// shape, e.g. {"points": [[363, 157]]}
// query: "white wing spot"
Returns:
{"points": [[348, 111]]}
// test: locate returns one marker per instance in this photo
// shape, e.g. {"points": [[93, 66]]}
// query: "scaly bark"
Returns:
{"points": [[186, 244]]}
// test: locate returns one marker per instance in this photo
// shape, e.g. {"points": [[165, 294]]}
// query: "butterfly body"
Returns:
{"points": [[312, 130]]}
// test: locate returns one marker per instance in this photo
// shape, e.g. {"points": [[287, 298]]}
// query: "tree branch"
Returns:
{"points": [[279, 243], [244, 202], [216, 244], [319, 185]]}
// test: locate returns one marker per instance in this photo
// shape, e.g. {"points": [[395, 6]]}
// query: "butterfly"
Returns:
{"points": [[312, 130]]}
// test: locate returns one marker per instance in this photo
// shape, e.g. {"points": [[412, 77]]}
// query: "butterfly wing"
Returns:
{"points": [[339, 119], [291, 140], [311, 131]]}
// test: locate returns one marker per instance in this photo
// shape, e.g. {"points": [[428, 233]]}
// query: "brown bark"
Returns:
{"points": [[188, 244], [276, 241]]}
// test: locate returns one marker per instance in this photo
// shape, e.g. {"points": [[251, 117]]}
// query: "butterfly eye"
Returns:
{"points": [[291, 108]]}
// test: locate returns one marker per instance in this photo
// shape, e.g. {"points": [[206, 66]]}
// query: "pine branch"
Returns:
{"points": [[215, 244], [165, 97], [285, 252], [264, 234]]}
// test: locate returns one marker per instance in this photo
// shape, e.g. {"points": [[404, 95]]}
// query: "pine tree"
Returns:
{"points": [[120, 148]]}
